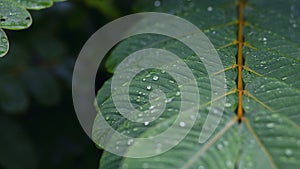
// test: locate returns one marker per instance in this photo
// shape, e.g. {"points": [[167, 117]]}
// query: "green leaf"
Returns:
{"points": [[35, 4], [14, 16], [17, 151], [269, 134], [4, 45]]}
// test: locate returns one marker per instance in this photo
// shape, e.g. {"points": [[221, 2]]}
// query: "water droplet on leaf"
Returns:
{"points": [[201, 167], [227, 104], [209, 9], [182, 124], [130, 141], [219, 146], [270, 125], [4, 40], [149, 87], [157, 3], [288, 152]]}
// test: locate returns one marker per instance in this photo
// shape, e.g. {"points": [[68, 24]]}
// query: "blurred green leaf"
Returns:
{"points": [[106, 7], [13, 97], [42, 85], [49, 49], [17, 151]]}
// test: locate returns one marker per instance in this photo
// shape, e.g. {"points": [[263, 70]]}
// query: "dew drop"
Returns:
{"points": [[149, 87], [201, 167], [157, 3], [130, 141], [227, 104], [219, 146], [288, 152], [270, 125], [155, 78], [182, 124], [177, 93], [4, 40], [169, 100], [209, 9], [171, 81], [263, 62], [275, 115], [143, 79], [215, 111]]}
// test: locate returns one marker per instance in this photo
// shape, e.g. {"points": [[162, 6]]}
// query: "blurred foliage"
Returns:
{"points": [[107, 7], [112, 9], [38, 125]]}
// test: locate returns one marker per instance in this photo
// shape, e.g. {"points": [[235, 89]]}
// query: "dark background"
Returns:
{"points": [[39, 127]]}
